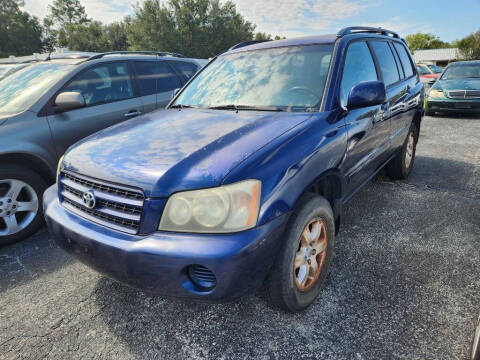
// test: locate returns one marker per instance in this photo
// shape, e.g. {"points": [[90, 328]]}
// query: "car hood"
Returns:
{"points": [[172, 150], [458, 84], [3, 118]]}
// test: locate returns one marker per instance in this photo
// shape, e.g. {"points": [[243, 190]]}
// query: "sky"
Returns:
{"points": [[450, 20]]}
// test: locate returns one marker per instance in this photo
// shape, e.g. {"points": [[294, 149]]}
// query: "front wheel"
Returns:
{"points": [[21, 192], [401, 166], [301, 267]]}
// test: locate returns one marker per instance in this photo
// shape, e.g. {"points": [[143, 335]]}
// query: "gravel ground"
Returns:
{"points": [[404, 283]]}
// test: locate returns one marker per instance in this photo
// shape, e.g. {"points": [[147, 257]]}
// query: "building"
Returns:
{"points": [[437, 56]]}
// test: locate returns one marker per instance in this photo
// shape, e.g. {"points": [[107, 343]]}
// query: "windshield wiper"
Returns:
{"points": [[182, 106], [246, 107]]}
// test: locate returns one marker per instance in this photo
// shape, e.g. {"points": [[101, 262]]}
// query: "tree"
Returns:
{"points": [[67, 12], [93, 36], [20, 33], [425, 41], [195, 28], [469, 46]]}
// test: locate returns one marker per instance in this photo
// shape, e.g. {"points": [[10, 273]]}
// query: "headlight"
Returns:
{"points": [[59, 167], [223, 209], [435, 93]]}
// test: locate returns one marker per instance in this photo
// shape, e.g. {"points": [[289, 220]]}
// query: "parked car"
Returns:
{"points": [[8, 69], [241, 181], [427, 75], [49, 105], [476, 342], [458, 89], [435, 68]]}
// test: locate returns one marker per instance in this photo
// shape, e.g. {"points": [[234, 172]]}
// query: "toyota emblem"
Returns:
{"points": [[88, 199]]}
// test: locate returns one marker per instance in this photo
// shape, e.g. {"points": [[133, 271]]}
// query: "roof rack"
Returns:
{"points": [[366, 29], [246, 43], [158, 53]]}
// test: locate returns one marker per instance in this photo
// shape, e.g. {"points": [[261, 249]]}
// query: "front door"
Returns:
{"points": [[109, 98]]}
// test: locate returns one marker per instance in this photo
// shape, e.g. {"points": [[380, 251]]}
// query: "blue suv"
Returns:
{"points": [[240, 182]]}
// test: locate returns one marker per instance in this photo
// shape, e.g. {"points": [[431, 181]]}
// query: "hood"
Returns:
{"points": [[458, 84], [3, 118], [172, 150], [430, 76]]}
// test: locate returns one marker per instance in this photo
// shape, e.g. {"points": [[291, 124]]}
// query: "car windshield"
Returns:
{"points": [[21, 89], [462, 72], [279, 79], [423, 70], [435, 68]]}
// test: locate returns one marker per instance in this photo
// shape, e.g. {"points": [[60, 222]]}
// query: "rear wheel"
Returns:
{"points": [[301, 268], [401, 166], [476, 343], [21, 192]]}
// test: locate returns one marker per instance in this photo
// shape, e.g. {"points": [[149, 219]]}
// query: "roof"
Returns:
{"points": [[304, 40], [436, 55]]}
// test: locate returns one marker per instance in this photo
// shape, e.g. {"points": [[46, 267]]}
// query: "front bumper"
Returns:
{"points": [[456, 106], [158, 263]]}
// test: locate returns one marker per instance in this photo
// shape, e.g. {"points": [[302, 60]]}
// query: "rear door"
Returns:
{"points": [[146, 75], [109, 96], [361, 158], [167, 81], [395, 86]]}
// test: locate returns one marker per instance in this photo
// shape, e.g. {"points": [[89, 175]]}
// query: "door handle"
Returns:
{"points": [[132, 113]]}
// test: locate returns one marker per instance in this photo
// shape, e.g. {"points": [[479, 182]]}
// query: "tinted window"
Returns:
{"points": [[185, 68], [407, 64], [359, 67], [397, 60], [103, 84], [385, 59], [167, 80], [147, 77]]}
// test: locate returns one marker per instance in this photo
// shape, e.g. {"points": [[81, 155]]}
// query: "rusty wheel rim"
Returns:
{"points": [[310, 255]]}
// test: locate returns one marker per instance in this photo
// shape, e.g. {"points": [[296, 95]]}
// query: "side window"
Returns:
{"points": [[359, 67], [146, 76], [407, 64], [385, 59], [102, 84], [185, 68], [397, 60], [167, 80]]}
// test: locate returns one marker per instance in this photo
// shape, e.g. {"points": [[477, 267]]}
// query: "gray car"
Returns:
{"points": [[49, 105]]}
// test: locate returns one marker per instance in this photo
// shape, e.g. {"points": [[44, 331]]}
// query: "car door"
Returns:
{"points": [[109, 99], [395, 86], [362, 123], [167, 81], [146, 74]]}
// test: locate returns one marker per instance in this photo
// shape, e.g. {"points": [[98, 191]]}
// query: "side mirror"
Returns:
{"points": [[69, 100], [368, 93], [176, 91]]}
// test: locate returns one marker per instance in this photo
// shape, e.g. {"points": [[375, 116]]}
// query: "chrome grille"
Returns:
{"points": [[464, 94], [116, 206]]}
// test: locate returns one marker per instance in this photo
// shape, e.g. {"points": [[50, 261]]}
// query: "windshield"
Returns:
{"points": [[21, 89], [423, 70], [435, 68], [462, 72], [287, 78]]}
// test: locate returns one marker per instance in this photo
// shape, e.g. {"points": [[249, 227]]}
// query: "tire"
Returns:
{"points": [[400, 167], [283, 286], [21, 196]]}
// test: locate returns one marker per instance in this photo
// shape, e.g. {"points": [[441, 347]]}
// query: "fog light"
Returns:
{"points": [[202, 277]]}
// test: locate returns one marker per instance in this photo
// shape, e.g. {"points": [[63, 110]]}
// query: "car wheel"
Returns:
{"points": [[476, 343], [21, 192], [300, 269], [401, 166]]}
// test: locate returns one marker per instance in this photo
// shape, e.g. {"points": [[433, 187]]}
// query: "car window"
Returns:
{"points": [[102, 84], [359, 67], [185, 68], [147, 77], [462, 71], [422, 70], [397, 60], [407, 64], [167, 80], [385, 59]]}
